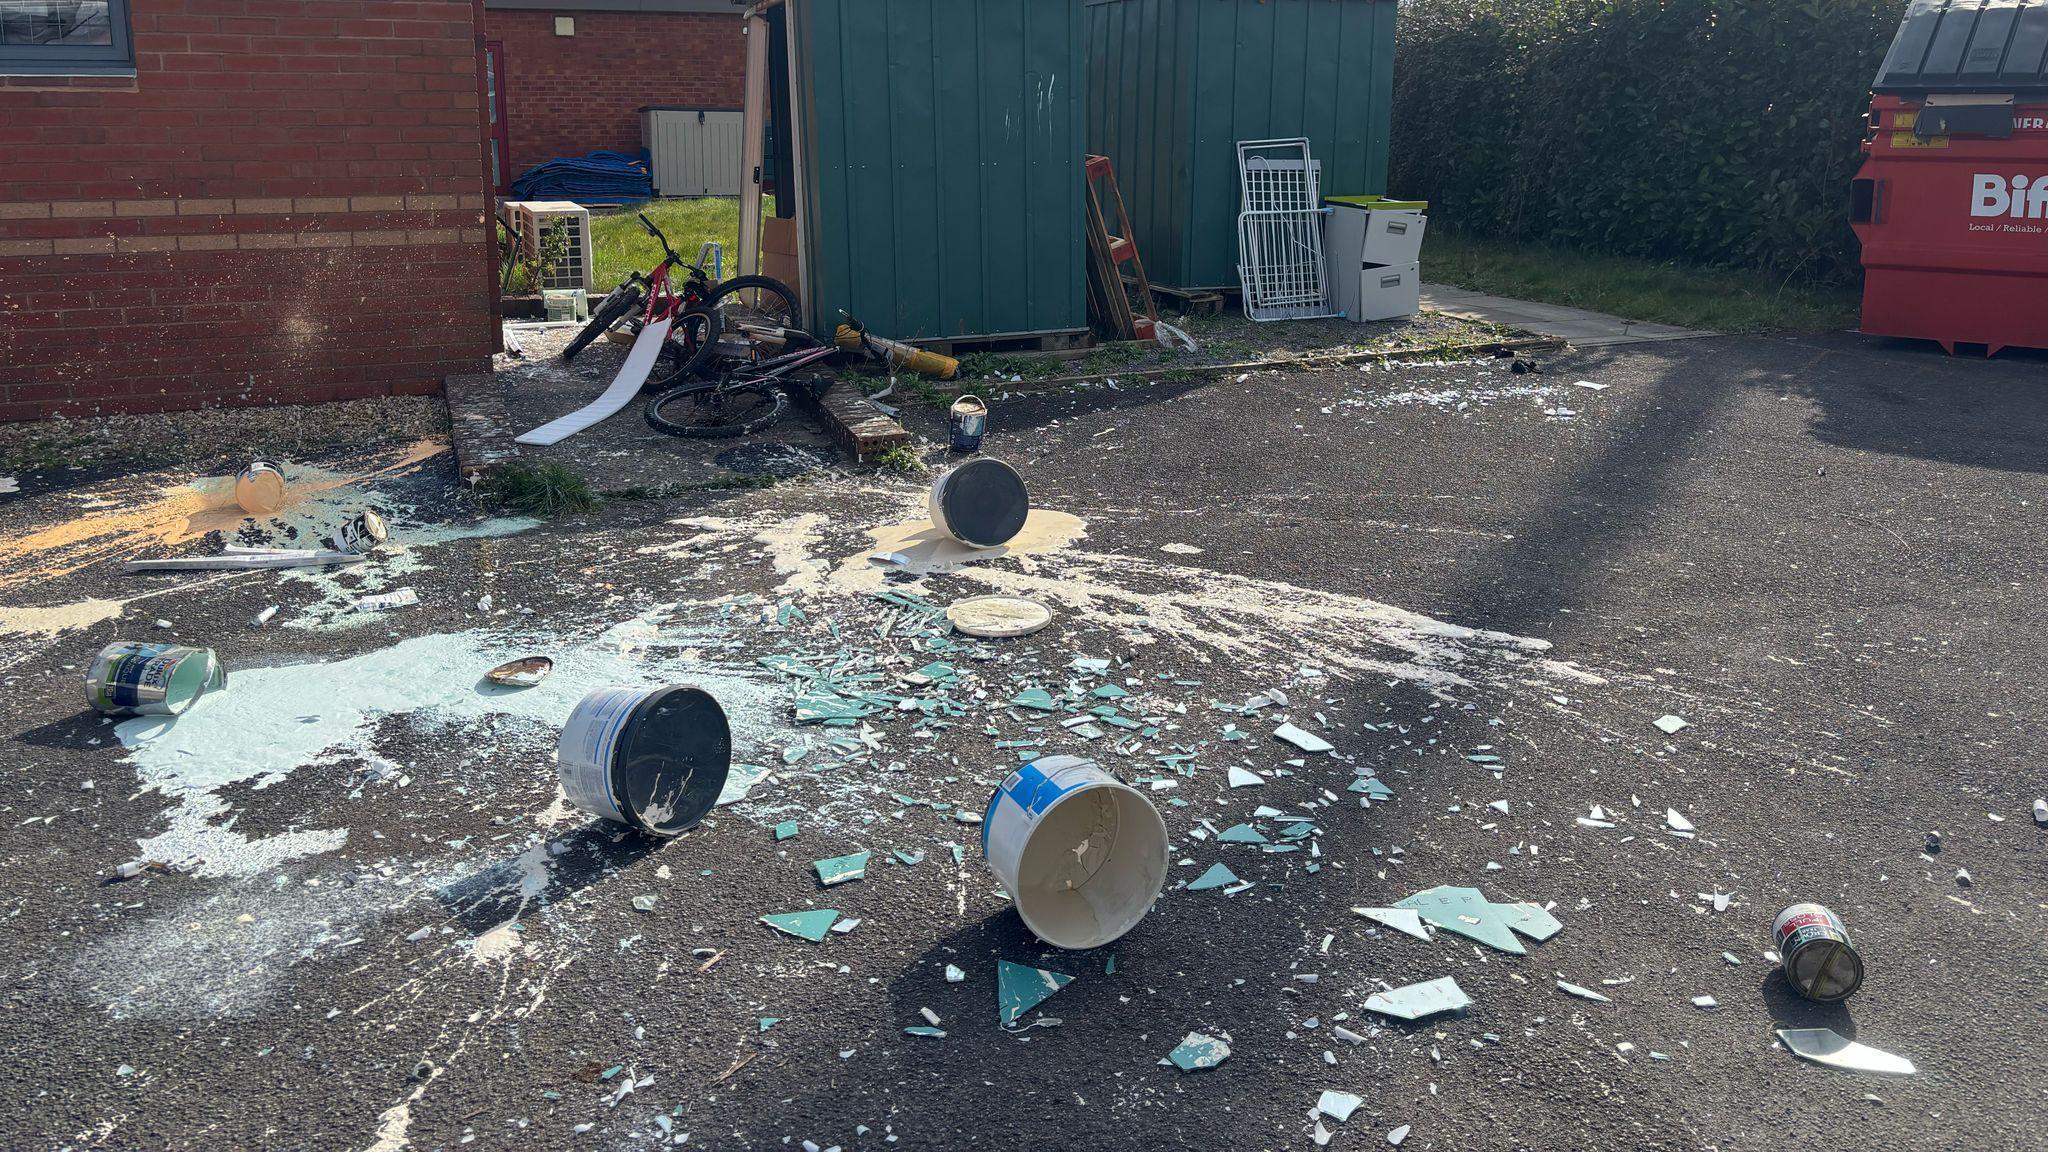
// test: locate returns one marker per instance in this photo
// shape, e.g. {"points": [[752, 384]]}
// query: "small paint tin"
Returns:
{"points": [[982, 502], [260, 488], [654, 759], [1814, 948], [133, 678], [362, 532], [1082, 854], [968, 423]]}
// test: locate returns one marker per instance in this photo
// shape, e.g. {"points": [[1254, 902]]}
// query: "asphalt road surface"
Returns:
{"points": [[383, 929]]}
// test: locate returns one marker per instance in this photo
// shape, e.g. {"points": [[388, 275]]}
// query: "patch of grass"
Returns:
{"points": [[547, 490], [1108, 357], [1718, 299], [1180, 376], [620, 246], [902, 459], [1004, 365]]}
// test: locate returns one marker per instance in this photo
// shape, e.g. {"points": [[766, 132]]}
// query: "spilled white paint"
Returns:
{"points": [[398, 561], [272, 722]]}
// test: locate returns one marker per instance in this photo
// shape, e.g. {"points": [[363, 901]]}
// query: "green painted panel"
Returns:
{"points": [[1175, 84], [942, 144]]}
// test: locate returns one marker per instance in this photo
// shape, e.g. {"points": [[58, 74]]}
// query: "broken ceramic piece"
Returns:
{"points": [[1397, 1135], [1197, 1052], [1216, 877], [1466, 912], [1241, 834], [1676, 821], [1020, 988], [785, 830], [1670, 725], [522, 673], [1826, 1046], [1240, 778], [1572, 989], [1415, 1001], [810, 925], [1533, 921]]}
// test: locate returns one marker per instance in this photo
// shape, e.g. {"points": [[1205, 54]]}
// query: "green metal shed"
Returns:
{"points": [[1173, 85], [939, 147]]}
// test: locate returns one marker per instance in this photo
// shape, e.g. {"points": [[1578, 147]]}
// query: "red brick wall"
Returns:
{"points": [[568, 95], [285, 204]]}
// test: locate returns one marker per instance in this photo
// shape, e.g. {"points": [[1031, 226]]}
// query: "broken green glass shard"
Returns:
{"points": [[1533, 921], [1241, 834], [1337, 1105], [1306, 741], [1466, 912], [1110, 692], [1372, 787], [1404, 920], [1825, 1046], [1298, 830], [810, 925], [934, 1033], [1571, 989], [1198, 1052], [840, 869], [1416, 1001], [1037, 698], [1020, 988], [1240, 778], [768, 1022], [1216, 877], [908, 859], [785, 830]]}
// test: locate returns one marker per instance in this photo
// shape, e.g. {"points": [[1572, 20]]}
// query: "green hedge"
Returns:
{"points": [[1711, 131]]}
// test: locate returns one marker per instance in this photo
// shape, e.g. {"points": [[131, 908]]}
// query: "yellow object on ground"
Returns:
{"points": [[899, 354]]}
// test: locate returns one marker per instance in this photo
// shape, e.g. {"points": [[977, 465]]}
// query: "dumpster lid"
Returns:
{"points": [[1968, 46]]}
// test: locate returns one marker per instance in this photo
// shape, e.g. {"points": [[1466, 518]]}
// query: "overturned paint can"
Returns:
{"points": [[260, 488], [968, 423], [1082, 855], [982, 502], [362, 532], [654, 759], [1814, 948], [133, 678]]}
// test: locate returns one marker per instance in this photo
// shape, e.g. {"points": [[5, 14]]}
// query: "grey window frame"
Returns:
{"points": [[115, 59]]}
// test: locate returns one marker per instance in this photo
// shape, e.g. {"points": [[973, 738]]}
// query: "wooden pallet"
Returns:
{"points": [[1055, 340], [859, 427], [1193, 301]]}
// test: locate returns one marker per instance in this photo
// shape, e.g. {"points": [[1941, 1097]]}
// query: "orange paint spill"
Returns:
{"points": [[157, 518]]}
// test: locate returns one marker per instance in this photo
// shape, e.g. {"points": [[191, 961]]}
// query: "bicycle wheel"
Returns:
{"points": [[614, 308], [717, 411], [690, 349], [757, 301]]}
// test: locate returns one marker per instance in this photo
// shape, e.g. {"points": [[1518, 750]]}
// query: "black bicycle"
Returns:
{"points": [[751, 394]]}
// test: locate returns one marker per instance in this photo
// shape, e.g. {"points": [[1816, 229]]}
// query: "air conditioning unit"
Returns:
{"points": [[534, 218]]}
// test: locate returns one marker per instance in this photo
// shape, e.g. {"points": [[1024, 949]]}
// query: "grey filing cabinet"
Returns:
{"points": [[693, 151], [1372, 248]]}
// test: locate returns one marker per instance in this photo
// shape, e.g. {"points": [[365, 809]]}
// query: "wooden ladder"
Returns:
{"points": [[1107, 254]]}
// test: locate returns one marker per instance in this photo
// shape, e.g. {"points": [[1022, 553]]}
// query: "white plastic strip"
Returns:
{"points": [[625, 386]]}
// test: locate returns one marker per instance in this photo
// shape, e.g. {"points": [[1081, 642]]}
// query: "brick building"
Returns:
{"points": [[239, 202], [577, 72]]}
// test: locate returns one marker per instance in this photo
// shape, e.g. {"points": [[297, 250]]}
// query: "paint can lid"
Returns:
{"points": [[970, 406], [1825, 969], [671, 760], [984, 503], [997, 617]]}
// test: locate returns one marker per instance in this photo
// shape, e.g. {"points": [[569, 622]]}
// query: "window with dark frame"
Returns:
{"points": [[64, 37]]}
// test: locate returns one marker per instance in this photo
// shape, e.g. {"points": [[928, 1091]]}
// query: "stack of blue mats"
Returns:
{"points": [[601, 178]]}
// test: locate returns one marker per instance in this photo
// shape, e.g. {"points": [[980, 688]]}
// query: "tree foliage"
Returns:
{"points": [[1711, 131]]}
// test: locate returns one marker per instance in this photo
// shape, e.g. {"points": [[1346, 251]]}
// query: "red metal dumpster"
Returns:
{"points": [[1952, 204]]}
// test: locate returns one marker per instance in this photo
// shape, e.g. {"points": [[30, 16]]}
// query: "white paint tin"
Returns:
{"points": [[1082, 855], [654, 759]]}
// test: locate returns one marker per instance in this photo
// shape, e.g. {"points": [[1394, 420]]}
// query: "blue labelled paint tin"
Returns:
{"points": [[969, 423], [1082, 855]]}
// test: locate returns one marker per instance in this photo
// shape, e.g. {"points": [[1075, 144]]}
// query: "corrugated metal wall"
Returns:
{"points": [[942, 144], [1174, 84]]}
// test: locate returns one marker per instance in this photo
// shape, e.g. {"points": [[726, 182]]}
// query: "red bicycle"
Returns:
{"points": [[702, 313]]}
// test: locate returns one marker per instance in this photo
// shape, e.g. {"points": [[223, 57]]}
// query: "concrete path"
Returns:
{"points": [[1583, 328]]}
